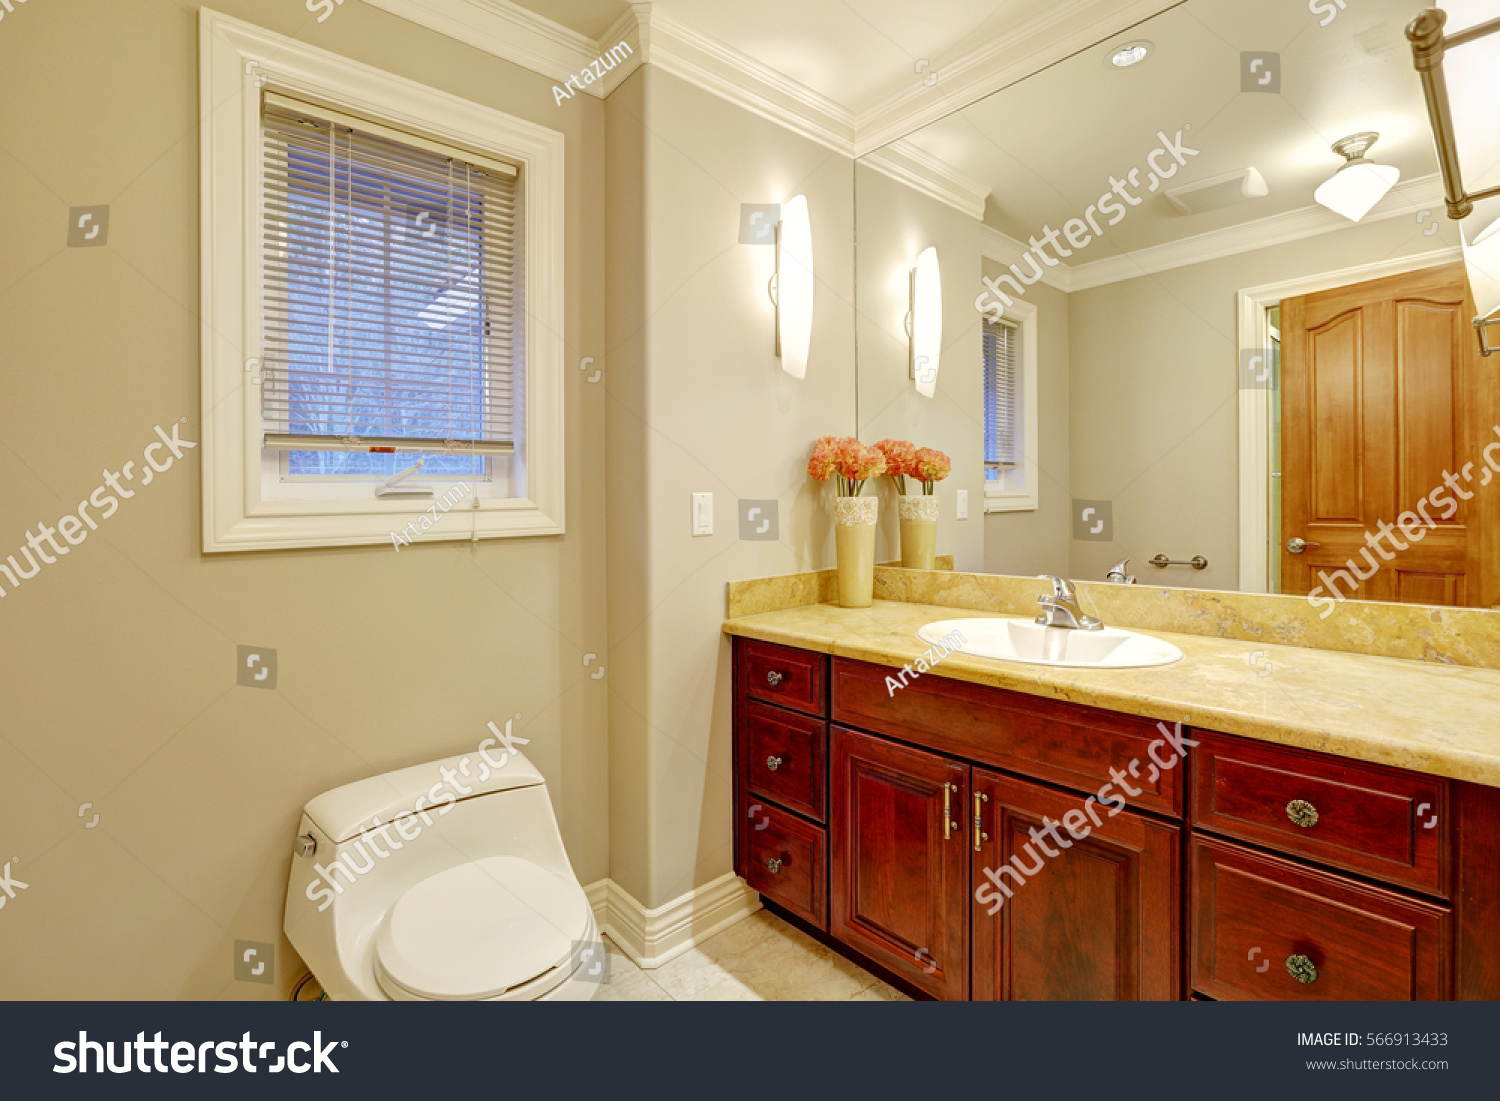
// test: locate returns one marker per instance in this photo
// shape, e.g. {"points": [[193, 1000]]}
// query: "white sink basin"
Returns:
{"points": [[1026, 641]]}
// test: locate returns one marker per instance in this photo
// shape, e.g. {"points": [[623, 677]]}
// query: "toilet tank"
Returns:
{"points": [[376, 838]]}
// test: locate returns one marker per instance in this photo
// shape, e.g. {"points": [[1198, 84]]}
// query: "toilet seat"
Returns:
{"points": [[481, 929]]}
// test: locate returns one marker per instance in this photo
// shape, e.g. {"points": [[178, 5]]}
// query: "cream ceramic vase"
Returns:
{"points": [[855, 531], [919, 514]]}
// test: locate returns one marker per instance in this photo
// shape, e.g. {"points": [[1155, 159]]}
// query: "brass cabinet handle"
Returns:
{"points": [[1302, 813], [1302, 969], [948, 790], [979, 834], [773, 763], [774, 678], [774, 864]]}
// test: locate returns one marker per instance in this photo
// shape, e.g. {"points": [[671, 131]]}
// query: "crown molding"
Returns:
{"points": [[1405, 199], [506, 30], [676, 48], [916, 168], [1006, 250], [1061, 31]]}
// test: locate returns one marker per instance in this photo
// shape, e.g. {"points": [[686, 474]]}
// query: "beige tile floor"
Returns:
{"points": [[759, 959]]}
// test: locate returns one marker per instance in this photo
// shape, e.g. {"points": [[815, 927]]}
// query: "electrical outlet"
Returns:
{"points": [[963, 504], [703, 514]]}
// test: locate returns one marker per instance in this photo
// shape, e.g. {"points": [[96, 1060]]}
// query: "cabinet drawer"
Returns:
{"points": [[1064, 743], [780, 674], [785, 859], [1381, 822], [784, 758], [1257, 917]]}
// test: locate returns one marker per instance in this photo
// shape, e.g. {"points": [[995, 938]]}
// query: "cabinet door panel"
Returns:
{"points": [[1097, 921], [900, 866]]}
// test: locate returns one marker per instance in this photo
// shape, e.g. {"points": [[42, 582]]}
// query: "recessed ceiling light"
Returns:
{"points": [[1132, 53]]}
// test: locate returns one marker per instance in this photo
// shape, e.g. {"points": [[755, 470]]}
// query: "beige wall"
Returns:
{"points": [[119, 674], [1039, 540], [699, 403], [1154, 397], [895, 224]]}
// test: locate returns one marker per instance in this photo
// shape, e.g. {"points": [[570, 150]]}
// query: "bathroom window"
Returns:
{"points": [[1010, 411], [391, 312], [383, 286]]}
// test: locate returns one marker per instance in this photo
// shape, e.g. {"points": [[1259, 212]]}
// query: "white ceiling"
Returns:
{"points": [[1045, 147], [852, 52]]}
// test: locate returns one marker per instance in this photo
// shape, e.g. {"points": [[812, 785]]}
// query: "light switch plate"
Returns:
{"points": [[963, 504], [703, 514]]}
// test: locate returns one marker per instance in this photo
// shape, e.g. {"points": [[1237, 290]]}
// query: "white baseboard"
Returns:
{"points": [[651, 937]]}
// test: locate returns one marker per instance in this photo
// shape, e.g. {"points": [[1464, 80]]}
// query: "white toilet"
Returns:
{"points": [[473, 898]]}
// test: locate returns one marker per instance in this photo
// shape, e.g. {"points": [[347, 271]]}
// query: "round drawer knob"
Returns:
{"points": [[1302, 969], [774, 678], [773, 763], [774, 865], [1304, 814]]}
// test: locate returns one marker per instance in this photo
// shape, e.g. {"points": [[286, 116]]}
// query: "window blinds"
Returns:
{"points": [[392, 295], [1000, 394]]}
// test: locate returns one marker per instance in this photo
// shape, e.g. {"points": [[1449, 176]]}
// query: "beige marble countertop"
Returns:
{"points": [[1439, 719]]}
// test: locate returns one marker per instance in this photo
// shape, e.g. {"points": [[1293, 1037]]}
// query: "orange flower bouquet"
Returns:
{"points": [[900, 461], [931, 466], [851, 461], [853, 464]]}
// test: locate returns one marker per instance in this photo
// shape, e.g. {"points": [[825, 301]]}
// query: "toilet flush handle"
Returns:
{"points": [[307, 844]]}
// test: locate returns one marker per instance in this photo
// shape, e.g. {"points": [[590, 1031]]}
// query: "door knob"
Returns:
{"points": [[773, 863], [774, 678], [1296, 544], [773, 763]]}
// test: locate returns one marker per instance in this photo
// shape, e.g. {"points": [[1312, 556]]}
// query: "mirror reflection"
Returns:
{"points": [[1203, 309]]}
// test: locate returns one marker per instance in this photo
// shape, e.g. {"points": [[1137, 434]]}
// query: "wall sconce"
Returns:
{"points": [[1360, 183], [924, 321], [791, 288], [1465, 118]]}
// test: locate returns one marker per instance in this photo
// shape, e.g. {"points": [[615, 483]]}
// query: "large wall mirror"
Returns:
{"points": [[1178, 325]]}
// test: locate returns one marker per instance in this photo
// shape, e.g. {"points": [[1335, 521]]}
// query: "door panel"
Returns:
{"points": [[900, 869], [1383, 399], [1099, 921]]}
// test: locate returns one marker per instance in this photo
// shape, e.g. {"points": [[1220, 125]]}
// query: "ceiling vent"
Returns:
{"points": [[1218, 192]]}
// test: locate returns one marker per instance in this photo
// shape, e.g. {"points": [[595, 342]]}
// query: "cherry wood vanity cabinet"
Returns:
{"points": [[1247, 870]]}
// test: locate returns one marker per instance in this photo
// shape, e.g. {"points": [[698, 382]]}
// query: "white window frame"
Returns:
{"points": [[236, 60], [1015, 490]]}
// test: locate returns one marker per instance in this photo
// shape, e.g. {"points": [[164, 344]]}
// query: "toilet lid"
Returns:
{"points": [[477, 930]]}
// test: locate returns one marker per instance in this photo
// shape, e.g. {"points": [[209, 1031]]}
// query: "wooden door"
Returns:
{"points": [[900, 885], [1099, 921], [1385, 400]]}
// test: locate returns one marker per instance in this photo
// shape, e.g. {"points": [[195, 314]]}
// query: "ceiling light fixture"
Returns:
{"points": [[1132, 53], [1360, 183]]}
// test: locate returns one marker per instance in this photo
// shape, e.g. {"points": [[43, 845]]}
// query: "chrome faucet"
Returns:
{"points": [[1118, 573], [1061, 607]]}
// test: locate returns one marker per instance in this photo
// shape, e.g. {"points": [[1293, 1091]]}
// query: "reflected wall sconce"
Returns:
{"points": [[924, 321], [791, 287], [1465, 120], [1360, 183]]}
